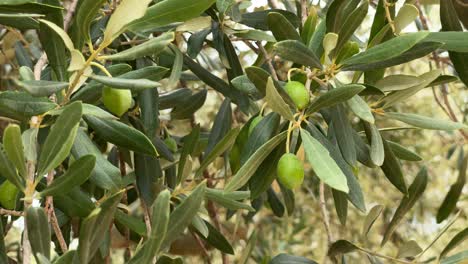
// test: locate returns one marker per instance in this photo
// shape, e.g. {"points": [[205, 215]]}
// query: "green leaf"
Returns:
{"points": [[392, 169], [182, 215], [41, 88], [341, 130], [259, 19], [406, 15], [122, 135], [341, 205], [281, 28], [397, 82], [121, 83], [425, 122], [353, 21], [104, 175], [13, 146], [415, 191], [341, 247], [217, 240], [454, 194], [66, 258], [276, 102], [290, 259], [221, 125], [360, 108], [149, 107], [94, 227], [148, 171], [38, 231], [417, 51], [377, 152], [151, 47], [216, 83], [22, 106], [323, 165], [59, 142], [398, 96], [190, 105], [453, 40], [88, 109], [450, 22], [52, 44], [263, 131], [160, 222], [29, 138], [229, 199], [170, 11], [388, 49], [259, 77], [177, 65], [190, 142], [251, 165], [77, 174], [295, 51], [8, 195], [409, 249], [87, 11], [454, 242], [403, 153], [456, 258], [371, 217], [127, 11], [355, 194], [133, 223], [223, 145], [334, 97]]}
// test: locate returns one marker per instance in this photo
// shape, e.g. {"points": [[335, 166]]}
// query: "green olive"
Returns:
{"points": [[290, 171], [117, 101], [298, 94], [254, 123], [171, 144]]}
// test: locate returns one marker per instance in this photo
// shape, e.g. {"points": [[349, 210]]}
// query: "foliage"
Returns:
{"points": [[104, 142]]}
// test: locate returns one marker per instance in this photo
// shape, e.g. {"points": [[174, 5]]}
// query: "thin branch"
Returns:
{"points": [[304, 11], [53, 218], [268, 60], [10, 212], [202, 246], [325, 215]]}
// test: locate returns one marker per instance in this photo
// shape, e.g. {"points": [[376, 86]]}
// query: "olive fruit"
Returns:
{"points": [[171, 144], [117, 101], [290, 171], [254, 123], [298, 94]]}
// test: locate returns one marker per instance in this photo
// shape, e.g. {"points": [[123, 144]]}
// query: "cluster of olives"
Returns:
{"points": [[290, 170]]}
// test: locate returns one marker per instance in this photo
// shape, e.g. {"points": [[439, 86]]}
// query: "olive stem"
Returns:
{"points": [[102, 68], [288, 138]]}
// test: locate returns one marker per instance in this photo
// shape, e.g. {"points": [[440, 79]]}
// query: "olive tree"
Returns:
{"points": [[104, 139]]}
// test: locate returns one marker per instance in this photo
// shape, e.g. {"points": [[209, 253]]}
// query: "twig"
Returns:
{"points": [[268, 60], [53, 218], [324, 211], [70, 12], [123, 172], [443, 87], [27, 251], [10, 212], [304, 11], [212, 212], [202, 246]]}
